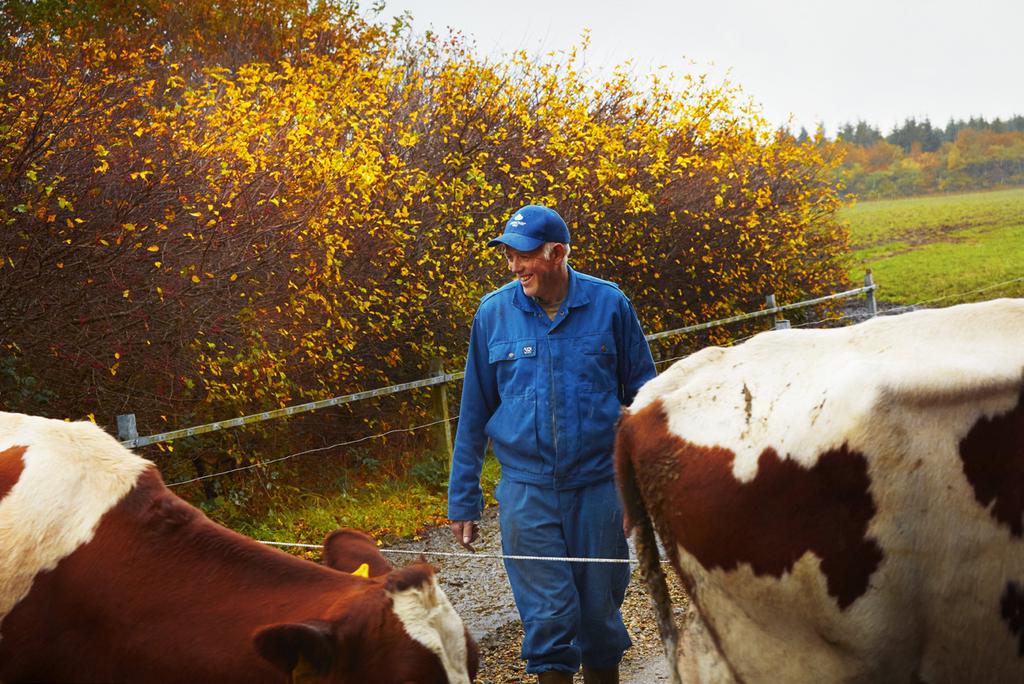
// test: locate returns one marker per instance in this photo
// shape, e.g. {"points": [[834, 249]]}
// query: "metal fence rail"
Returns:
{"points": [[280, 413], [771, 310], [126, 426]]}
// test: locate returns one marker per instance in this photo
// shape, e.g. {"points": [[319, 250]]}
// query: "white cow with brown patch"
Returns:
{"points": [[105, 575], [842, 505]]}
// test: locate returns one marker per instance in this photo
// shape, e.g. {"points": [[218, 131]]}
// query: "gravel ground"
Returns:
{"points": [[478, 589]]}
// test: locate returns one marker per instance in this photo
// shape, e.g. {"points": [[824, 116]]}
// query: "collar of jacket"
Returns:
{"points": [[575, 297]]}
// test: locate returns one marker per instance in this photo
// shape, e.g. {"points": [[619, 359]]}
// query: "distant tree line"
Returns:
{"points": [[922, 135], [919, 158]]}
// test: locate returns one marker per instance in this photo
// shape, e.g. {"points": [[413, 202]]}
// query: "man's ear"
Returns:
{"points": [[304, 650], [558, 252]]}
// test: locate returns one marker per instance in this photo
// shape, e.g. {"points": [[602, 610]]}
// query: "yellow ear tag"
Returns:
{"points": [[304, 672], [363, 571]]}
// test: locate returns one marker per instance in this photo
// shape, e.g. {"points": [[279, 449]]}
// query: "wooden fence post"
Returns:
{"points": [[780, 322], [869, 281], [440, 397]]}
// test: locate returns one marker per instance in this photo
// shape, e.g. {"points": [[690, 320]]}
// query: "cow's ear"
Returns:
{"points": [[347, 550], [303, 649]]}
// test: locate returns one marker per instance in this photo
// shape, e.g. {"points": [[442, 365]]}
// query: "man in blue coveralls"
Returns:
{"points": [[553, 356]]}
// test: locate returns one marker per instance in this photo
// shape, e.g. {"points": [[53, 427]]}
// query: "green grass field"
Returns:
{"points": [[921, 249]]}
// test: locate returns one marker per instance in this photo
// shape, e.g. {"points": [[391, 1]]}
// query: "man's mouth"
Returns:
{"points": [[523, 280]]}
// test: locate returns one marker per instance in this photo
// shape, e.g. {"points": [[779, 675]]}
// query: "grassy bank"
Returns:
{"points": [[949, 246], [303, 505]]}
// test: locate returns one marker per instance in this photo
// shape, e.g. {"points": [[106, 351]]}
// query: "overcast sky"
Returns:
{"points": [[818, 60]]}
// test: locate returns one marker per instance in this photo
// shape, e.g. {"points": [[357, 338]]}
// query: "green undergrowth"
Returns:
{"points": [[300, 506], [941, 250]]}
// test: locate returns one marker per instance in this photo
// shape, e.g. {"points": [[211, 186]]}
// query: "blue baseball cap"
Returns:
{"points": [[531, 227]]}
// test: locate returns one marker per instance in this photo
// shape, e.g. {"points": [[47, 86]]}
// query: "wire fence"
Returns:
{"points": [[460, 554], [128, 435], [890, 311], [447, 377], [313, 451], [126, 422]]}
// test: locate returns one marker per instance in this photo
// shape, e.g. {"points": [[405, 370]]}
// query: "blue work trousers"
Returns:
{"points": [[570, 611]]}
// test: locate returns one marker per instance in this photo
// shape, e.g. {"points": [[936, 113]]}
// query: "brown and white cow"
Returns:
{"points": [[105, 575], [841, 505]]}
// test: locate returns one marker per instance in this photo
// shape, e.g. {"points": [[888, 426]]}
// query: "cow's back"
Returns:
{"points": [[57, 480], [846, 505]]}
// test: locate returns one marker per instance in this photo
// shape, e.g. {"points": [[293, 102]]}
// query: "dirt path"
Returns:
{"points": [[479, 590]]}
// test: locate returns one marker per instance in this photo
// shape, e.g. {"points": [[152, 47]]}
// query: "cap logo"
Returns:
{"points": [[517, 221]]}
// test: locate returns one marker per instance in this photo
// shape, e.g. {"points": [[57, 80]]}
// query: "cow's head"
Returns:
{"points": [[402, 628]]}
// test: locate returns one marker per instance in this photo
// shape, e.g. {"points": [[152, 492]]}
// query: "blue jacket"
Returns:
{"points": [[546, 393]]}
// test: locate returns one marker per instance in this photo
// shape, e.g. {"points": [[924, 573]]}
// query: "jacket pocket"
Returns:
{"points": [[598, 363], [513, 433], [515, 366]]}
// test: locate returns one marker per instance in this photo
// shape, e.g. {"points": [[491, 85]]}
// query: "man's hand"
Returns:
{"points": [[465, 533]]}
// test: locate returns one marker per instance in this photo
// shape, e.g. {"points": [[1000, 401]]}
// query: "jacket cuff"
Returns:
{"points": [[463, 512]]}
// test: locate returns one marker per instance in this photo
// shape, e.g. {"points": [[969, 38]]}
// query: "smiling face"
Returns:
{"points": [[542, 276]]}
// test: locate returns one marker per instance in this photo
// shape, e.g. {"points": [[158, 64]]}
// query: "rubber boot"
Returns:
{"points": [[554, 677], [610, 676]]}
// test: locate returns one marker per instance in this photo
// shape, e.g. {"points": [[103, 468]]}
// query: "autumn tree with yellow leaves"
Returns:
{"points": [[210, 213]]}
